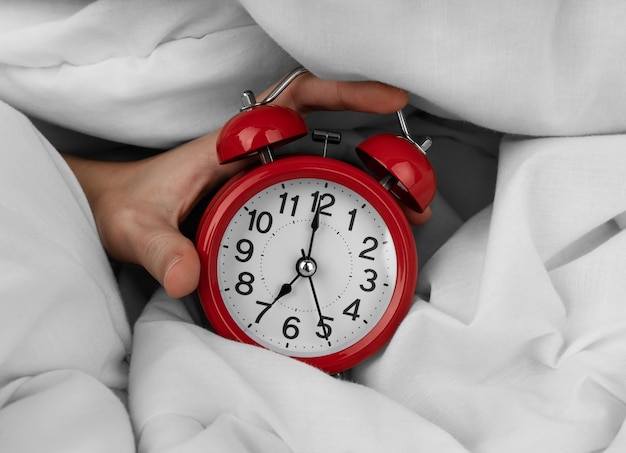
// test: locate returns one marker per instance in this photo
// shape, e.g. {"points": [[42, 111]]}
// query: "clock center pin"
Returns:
{"points": [[306, 266]]}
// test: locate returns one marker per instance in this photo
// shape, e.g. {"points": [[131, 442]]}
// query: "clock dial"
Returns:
{"points": [[306, 255], [306, 267]]}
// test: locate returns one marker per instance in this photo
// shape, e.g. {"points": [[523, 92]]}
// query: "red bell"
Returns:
{"points": [[257, 128], [415, 183]]}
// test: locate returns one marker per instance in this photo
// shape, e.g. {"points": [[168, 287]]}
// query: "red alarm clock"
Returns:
{"points": [[307, 255]]}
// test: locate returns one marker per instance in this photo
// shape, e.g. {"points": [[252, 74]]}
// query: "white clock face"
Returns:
{"points": [[307, 267]]}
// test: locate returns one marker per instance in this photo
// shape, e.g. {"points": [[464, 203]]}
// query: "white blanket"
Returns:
{"points": [[516, 338]]}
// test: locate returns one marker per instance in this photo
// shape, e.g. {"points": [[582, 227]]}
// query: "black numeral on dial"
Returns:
{"points": [[290, 328], [261, 222], [352, 215], [373, 275], [325, 200], [352, 310], [245, 248], [283, 203], [266, 306], [373, 246], [244, 285], [325, 327]]}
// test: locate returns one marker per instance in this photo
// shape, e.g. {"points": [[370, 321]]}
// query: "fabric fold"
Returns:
{"points": [[192, 381]]}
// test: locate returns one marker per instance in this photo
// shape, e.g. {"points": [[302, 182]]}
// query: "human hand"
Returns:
{"points": [[138, 206]]}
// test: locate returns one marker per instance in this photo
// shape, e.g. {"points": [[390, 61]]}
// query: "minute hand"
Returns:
{"points": [[326, 329], [315, 224]]}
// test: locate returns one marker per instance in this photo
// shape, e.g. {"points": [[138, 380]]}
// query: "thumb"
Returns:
{"points": [[172, 259]]}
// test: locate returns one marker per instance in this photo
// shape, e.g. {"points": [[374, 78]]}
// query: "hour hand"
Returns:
{"points": [[285, 289]]}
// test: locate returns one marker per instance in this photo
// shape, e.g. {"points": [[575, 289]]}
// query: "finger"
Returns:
{"points": [[193, 170], [417, 218], [182, 274], [308, 92], [170, 257]]}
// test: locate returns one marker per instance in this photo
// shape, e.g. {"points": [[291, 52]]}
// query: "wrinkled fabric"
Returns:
{"points": [[64, 336]]}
